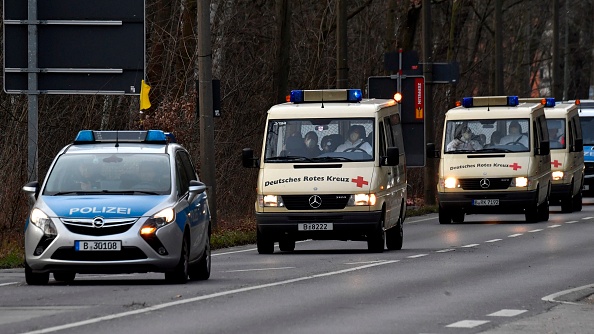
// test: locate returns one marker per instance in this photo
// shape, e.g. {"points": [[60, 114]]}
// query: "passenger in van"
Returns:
{"points": [[295, 146], [311, 145], [355, 141], [515, 135], [331, 142], [463, 140], [496, 138], [556, 137]]}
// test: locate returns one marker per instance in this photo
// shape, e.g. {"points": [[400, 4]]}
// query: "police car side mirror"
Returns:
{"points": [[544, 148], [248, 160], [578, 146], [32, 189], [196, 187], [392, 158], [430, 151]]}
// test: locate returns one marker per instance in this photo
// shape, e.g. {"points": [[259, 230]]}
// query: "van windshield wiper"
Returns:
{"points": [[327, 159], [288, 158]]}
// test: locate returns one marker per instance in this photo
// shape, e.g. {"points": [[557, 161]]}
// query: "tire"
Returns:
{"points": [[66, 277], [577, 201], [376, 240], [445, 217], [286, 245], [458, 217], [532, 214], [543, 211], [395, 236], [265, 245], [179, 275], [35, 278], [567, 203], [201, 270]]}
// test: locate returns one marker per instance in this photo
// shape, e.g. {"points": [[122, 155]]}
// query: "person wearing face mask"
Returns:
{"points": [[355, 141], [311, 145], [463, 140]]}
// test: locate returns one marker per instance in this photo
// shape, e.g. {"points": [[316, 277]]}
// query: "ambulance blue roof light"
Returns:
{"points": [[490, 101], [549, 102], [326, 95]]}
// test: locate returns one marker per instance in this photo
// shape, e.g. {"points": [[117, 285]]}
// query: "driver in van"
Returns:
{"points": [[355, 141], [515, 135]]}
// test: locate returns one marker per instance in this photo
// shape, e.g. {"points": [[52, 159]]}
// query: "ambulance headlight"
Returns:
{"points": [[270, 201], [43, 222], [520, 182], [362, 199], [157, 221], [450, 183], [557, 175]]}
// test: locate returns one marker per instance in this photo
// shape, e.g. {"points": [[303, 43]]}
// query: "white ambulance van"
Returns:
{"points": [[567, 156], [332, 167], [495, 158], [586, 112]]}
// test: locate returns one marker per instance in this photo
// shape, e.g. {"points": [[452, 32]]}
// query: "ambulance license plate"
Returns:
{"points": [[87, 245], [586, 187], [485, 202], [315, 227]]}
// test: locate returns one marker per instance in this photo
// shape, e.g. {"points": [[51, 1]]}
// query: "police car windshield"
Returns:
{"points": [[587, 130], [108, 174], [318, 140], [487, 135]]}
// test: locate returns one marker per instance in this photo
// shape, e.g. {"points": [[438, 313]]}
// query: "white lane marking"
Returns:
{"points": [[420, 220], [537, 230], [200, 298], [366, 262], [506, 313], [251, 249], [586, 218], [553, 226], [493, 240], [9, 283], [551, 297], [571, 222], [469, 246], [515, 235], [257, 269], [468, 323], [445, 250], [416, 256]]}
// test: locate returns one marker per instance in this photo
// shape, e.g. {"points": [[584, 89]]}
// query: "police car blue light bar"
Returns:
{"points": [[150, 136], [326, 95], [490, 101]]}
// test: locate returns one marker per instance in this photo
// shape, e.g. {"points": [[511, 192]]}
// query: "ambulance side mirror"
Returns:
{"points": [[544, 148], [248, 160], [430, 151], [578, 145], [392, 158]]}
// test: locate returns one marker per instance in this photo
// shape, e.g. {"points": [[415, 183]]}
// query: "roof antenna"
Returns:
{"points": [[322, 98], [117, 139]]}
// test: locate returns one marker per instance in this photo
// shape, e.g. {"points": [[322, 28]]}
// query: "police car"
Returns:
{"points": [[118, 202]]}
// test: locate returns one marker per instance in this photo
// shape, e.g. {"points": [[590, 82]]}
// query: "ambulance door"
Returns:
{"points": [[542, 157], [389, 173], [575, 149]]}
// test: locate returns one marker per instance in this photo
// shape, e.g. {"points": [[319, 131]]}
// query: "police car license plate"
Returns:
{"points": [[86, 245], [586, 187], [485, 202], [315, 227]]}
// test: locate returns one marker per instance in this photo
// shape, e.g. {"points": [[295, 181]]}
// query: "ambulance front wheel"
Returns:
{"points": [[445, 216], [265, 244], [395, 236], [286, 245], [376, 240]]}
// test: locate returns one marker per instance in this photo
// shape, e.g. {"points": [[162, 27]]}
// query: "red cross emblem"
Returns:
{"points": [[556, 163], [515, 166], [360, 181]]}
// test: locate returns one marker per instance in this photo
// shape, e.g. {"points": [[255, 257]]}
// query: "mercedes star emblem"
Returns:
{"points": [[485, 183], [315, 201]]}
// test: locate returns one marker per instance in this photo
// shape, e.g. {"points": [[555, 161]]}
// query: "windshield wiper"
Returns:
{"points": [[326, 159], [288, 158], [496, 150]]}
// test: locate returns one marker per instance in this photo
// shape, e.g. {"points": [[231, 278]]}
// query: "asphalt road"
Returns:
{"points": [[491, 274]]}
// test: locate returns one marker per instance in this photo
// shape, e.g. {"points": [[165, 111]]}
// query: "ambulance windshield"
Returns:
{"points": [[320, 140], [487, 135]]}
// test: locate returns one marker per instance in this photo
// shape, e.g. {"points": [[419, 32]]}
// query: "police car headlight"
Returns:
{"points": [[557, 175], [158, 220], [450, 183], [520, 182], [270, 201], [362, 199], [43, 222]]}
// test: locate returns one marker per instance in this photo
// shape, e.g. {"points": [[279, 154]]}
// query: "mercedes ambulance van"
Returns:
{"points": [[567, 156], [495, 158], [586, 112], [332, 167]]}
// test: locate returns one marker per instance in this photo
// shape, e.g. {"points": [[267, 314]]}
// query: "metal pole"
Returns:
{"points": [[33, 106], [498, 48], [207, 158], [342, 77], [430, 168], [555, 89]]}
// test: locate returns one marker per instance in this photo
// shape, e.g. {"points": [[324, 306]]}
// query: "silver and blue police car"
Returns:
{"points": [[119, 202]]}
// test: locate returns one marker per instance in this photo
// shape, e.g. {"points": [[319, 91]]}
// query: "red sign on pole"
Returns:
{"points": [[419, 98]]}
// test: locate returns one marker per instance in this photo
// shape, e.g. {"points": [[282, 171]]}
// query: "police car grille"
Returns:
{"points": [[494, 183], [301, 202], [110, 226], [589, 168], [127, 253]]}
